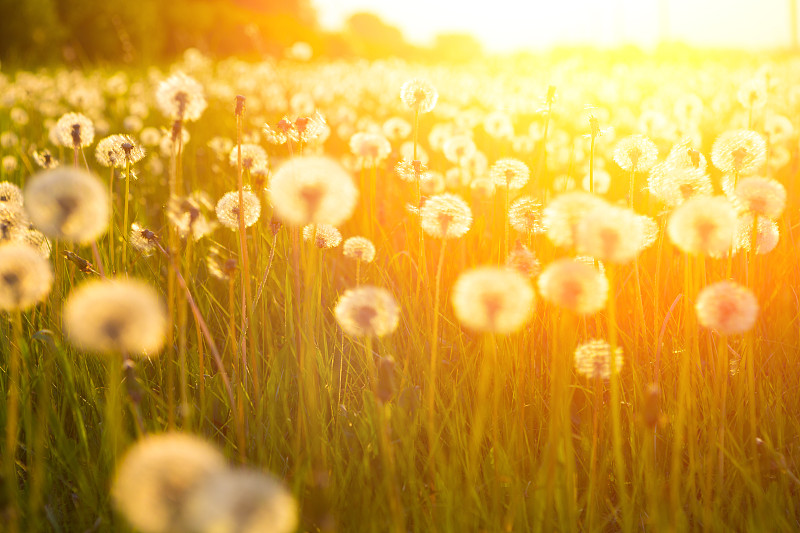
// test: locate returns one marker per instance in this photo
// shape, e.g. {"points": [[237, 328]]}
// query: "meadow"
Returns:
{"points": [[542, 294]]}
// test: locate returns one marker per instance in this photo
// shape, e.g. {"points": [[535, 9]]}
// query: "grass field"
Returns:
{"points": [[193, 341]]}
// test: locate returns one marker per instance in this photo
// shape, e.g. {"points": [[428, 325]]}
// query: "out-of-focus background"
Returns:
{"points": [[143, 31]]}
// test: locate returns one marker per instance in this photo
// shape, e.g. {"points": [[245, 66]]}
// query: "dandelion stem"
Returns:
{"points": [[434, 361], [125, 215], [12, 420]]}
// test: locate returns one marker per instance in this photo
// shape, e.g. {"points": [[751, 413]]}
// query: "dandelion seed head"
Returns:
{"points": [[525, 215], [446, 216], [593, 359], [649, 231], [228, 209], [67, 203], [509, 172], [704, 225], [181, 98], [494, 299], [240, 501], [635, 153], [767, 235], [396, 128], [683, 156], [142, 240], [324, 236], [410, 171], [562, 216], [753, 93], [760, 196], [419, 94], [186, 214], [360, 249], [574, 285], [74, 129], [459, 148], [610, 233], [312, 190], [675, 185], [371, 147], [25, 276], [219, 265], [254, 157], [739, 151], [602, 181], [367, 311], [157, 475], [10, 195], [44, 159], [118, 150], [727, 307], [524, 261], [116, 317], [498, 125]]}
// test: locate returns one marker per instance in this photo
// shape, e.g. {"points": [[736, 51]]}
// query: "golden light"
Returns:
{"points": [[504, 25]]}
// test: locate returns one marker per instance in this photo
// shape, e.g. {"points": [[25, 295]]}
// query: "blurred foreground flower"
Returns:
{"points": [[493, 299], [68, 203], [25, 276], [116, 317], [312, 190], [727, 307], [155, 478], [573, 285], [704, 225]]}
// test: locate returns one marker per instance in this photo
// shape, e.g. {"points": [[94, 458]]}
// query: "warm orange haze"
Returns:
{"points": [[296, 266]]}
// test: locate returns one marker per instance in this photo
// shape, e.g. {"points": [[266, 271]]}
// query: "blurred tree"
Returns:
{"points": [[29, 30], [457, 47], [372, 38]]}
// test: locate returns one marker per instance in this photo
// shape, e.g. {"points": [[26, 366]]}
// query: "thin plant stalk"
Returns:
{"points": [[12, 419], [125, 214], [247, 302], [111, 257], [616, 424], [431, 401]]}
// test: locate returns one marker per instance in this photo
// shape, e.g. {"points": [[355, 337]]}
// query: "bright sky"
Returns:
{"points": [[509, 24]]}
